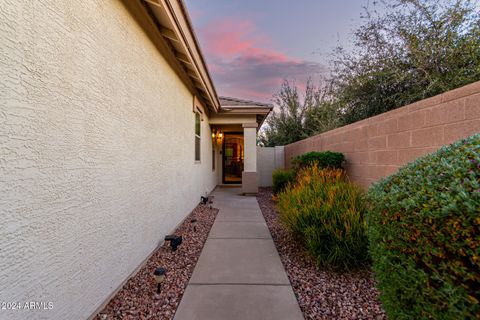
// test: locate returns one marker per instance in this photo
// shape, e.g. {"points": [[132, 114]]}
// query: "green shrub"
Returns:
{"points": [[424, 232], [326, 213], [324, 159], [281, 178]]}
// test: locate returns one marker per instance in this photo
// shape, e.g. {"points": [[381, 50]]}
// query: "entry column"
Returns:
{"points": [[249, 174]]}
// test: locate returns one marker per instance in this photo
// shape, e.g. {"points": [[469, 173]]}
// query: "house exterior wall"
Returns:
{"points": [[378, 146], [250, 148], [96, 153], [249, 174]]}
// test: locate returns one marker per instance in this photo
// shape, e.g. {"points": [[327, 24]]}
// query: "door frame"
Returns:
{"points": [[223, 156]]}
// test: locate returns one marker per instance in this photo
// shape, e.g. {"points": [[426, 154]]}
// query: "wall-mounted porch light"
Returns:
{"points": [[217, 135]]}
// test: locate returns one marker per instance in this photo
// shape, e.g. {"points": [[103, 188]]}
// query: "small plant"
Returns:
{"points": [[324, 159], [326, 213], [281, 179], [424, 232]]}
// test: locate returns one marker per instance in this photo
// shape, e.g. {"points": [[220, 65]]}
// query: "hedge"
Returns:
{"points": [[323, 159], [424, 235]]}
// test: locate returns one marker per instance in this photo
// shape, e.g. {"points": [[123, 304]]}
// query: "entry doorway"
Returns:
{"points": [[232, 158]]}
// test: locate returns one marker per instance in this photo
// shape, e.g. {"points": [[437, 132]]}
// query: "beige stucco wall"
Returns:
{"points": [[96, 153], [250, 149], [268, 160]]}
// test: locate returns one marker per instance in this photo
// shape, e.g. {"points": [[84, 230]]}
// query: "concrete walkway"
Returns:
{"points": [[239, 274]]}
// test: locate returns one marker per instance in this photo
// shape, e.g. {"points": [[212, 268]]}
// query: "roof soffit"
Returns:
{"points": [[174, 25]]}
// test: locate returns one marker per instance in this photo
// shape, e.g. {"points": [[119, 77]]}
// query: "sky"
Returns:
{"points": [[252, 45]]}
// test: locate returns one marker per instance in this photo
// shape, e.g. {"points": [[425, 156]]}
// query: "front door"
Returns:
{"points": [[233, 158]]}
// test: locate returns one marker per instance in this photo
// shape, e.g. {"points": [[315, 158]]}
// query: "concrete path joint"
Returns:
{"points": [[239, 274]]}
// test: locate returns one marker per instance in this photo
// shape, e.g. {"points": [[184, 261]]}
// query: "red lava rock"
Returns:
{"points": [[321, 294], [137, 299]]}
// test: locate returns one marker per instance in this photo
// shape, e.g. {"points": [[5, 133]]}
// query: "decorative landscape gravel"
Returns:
{"points": [[136, 300], [321, 294]]}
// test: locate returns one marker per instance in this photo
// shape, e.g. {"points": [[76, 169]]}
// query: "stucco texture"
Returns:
{"points": [[96, 153], [268, 160]]}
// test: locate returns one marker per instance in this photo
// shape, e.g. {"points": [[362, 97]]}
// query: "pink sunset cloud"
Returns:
{"points": [[226, 38], [244, 63]]}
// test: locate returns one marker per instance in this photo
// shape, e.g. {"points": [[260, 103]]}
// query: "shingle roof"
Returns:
{"points": [[231, 102]]}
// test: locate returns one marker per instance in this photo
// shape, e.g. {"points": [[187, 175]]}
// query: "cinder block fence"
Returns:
{"points": [[376, 147]]}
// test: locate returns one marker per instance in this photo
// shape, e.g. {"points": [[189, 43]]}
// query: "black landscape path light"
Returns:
{"points": [[206, 199], [159, 275], [175, 241], [210, 201], [194, 224]]}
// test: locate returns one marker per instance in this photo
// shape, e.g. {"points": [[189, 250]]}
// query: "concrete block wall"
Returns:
{"points": [[376, 147]]}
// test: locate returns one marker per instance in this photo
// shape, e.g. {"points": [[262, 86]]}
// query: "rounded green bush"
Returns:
{"points": [[281, 179], [323, 159], [326, 213], [424, 234]]}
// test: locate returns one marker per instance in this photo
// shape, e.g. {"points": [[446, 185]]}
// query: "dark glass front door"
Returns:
{"points": [[232, 158]]}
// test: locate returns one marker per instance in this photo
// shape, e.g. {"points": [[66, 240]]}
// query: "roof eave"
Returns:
{"points": [[245, 110], [176, 29]]}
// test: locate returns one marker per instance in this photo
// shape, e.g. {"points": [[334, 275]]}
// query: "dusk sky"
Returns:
{"points": [[252, 45]]}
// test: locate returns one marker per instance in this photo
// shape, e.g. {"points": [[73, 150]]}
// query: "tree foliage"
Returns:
{"points": [[405, 51], [286, 122], [295, 118], [415, 49]]}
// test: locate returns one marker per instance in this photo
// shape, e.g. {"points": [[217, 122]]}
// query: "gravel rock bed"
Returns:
{"points": [[137, 300], [321, 294]]}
